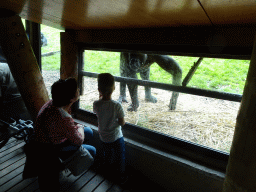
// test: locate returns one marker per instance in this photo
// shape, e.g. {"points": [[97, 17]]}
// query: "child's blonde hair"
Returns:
{"points": [[106, 83]]}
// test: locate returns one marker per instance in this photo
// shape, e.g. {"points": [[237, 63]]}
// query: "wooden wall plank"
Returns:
{"points": [[221, 42], [235, 36]]}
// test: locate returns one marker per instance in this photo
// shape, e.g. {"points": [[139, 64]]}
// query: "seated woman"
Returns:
{"points": [[55, 126]]}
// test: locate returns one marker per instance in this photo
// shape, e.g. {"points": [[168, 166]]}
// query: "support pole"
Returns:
{"points": [[241, 169], [69, 59], [69, 56], [22, 63]]}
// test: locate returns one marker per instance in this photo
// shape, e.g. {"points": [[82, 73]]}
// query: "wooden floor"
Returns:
{"points": [[12, 159]]}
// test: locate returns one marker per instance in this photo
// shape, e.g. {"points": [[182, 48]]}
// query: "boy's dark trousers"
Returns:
{"points": [[112, 157]]}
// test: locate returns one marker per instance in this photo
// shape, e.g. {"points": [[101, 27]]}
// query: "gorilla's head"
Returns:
{"points": [[136, 60]]}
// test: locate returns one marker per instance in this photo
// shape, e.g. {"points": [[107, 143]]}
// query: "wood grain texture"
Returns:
{"points": [[127, 13]]}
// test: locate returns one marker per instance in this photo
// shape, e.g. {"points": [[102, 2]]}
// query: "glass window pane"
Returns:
{"points": [[50, 55], [202, 120]]}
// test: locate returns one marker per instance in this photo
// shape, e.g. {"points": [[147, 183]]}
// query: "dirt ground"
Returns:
{"points": [[201, 120]]}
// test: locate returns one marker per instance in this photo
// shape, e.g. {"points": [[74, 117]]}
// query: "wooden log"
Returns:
{"points": [[241, 169], [69, 59], [192, 71], [69, 56], [23, 63]]}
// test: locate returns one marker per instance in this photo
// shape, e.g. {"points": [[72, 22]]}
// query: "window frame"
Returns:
{"points": [[197, 153]]}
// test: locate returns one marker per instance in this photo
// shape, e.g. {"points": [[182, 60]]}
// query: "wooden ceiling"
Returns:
{"points": [[212, 28], [81, 14]]}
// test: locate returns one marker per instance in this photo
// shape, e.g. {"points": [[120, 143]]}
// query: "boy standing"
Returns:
{"points": [[110, 119]]}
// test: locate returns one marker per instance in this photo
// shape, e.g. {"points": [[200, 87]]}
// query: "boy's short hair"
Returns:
{"points": [[63, 91], [106, 81]]}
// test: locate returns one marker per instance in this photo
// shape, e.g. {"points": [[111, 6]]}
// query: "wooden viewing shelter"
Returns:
{"points": [[220, 29]]}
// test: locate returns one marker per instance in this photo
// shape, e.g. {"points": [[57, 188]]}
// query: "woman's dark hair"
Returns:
{"points": [[106, 81], [63, 91]]}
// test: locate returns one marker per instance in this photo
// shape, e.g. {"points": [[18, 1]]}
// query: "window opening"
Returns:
{"points": [[202, 120], [51, 59]]}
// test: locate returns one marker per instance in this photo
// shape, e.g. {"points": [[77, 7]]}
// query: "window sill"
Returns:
{"points": [[172, 158]]}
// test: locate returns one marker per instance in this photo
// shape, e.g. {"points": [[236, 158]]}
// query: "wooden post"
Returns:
{"points": [[22, 63], [69, 59], [191, 72], [69, 56], [241, 169]]}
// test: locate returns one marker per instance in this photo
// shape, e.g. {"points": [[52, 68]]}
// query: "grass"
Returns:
{"points": [[53, 44], [51, 63], [227, 75]]}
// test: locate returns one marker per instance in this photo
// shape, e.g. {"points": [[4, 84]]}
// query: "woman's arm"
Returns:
{"points": [[74, 133]]}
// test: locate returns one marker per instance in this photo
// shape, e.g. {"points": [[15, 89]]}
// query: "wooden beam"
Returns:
{"points": [[241, 169], [22, 63], [69, 59], [211, 36], [219, 42]]}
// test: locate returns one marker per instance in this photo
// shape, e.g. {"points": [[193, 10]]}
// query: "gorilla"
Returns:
{"points": [[133, 63]]}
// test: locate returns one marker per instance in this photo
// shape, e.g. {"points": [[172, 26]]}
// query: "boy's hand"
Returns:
{"points": [[79, 125], [100, 96], [121, 121], [81, 130]]}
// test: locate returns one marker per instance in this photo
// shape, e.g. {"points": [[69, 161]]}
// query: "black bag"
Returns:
{"points": [[40, 158], [32, 159]]}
